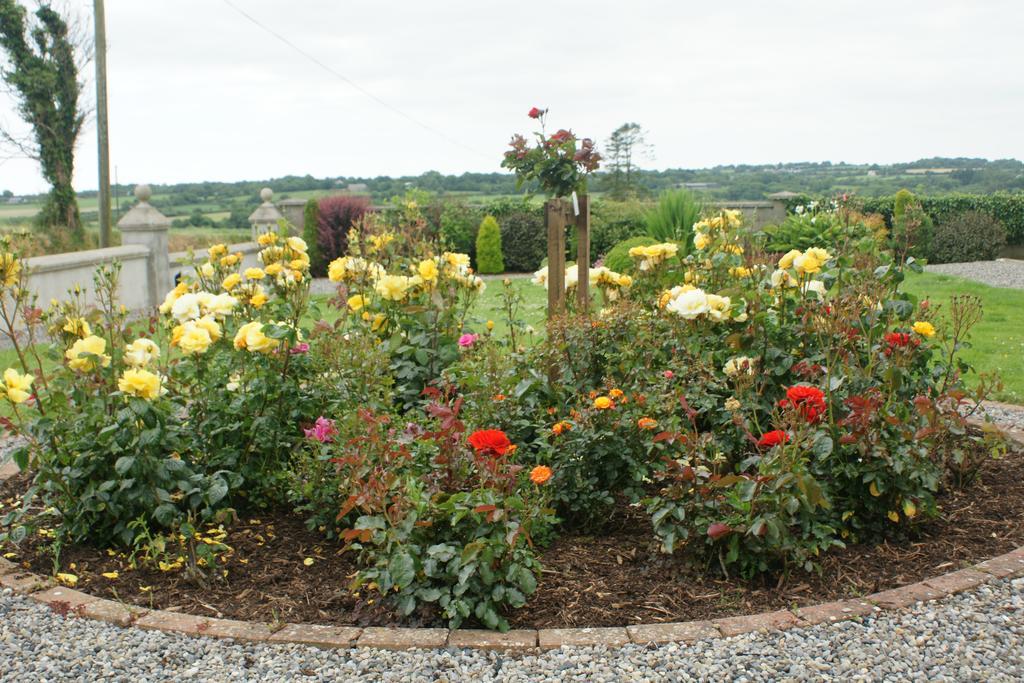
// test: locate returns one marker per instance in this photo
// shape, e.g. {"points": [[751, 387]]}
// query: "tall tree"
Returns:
{"points": [[42, 73], [625, 145]]}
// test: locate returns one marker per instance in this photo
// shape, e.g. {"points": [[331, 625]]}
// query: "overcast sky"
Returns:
{"points": [[198, 92]]}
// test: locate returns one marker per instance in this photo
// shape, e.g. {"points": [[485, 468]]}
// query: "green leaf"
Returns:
{"points": [[526, 580], [124, 463], [402, 569]]}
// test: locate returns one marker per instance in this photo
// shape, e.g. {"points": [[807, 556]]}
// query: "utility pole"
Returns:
{"points": [[99, 21]]}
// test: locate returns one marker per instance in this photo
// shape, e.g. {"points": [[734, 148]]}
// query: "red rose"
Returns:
{"points": [[561, 136], [536, 113], [717, 530], [809, 401], [897, 339], [490, 442], [773, 438]]}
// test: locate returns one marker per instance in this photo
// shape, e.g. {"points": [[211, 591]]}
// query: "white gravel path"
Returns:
{"points": [[977, 636], [998, 273]]}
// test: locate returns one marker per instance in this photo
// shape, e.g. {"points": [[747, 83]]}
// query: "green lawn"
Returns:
{"points": [[998, 340]]}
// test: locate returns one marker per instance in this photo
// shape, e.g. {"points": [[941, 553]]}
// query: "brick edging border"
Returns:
{"points": [[68, 601]]}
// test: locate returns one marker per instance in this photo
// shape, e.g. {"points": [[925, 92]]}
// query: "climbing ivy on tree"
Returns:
{"points": [[42, 73]]}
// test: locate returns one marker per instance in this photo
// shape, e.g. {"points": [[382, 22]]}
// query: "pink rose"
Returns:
{"points": [[467, 340], [668, 374], [301, 347], [323, 430]]}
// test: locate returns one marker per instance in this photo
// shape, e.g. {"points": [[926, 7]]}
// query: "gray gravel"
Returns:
{"points": [[1012, 418], [977, 636], [998, 273]]}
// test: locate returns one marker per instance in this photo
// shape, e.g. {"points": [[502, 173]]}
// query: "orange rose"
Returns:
{"points": [[560, 427], [540, 474], [615, 393], [646, 423]]}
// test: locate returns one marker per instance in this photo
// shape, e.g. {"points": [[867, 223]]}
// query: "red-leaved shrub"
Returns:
{"points": [[337, 216]]}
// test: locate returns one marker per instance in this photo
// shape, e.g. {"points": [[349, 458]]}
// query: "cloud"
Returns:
{"points": [[199, 92]]}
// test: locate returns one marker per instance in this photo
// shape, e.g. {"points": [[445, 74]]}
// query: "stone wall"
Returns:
{"points": [[757, 214], [50, 277]]}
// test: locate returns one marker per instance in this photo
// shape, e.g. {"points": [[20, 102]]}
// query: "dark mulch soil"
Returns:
{"points": [[611, 579]]}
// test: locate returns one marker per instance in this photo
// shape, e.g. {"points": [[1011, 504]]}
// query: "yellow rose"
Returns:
{"points": [[217, 250], [807, 264], [786, 262], [250, 336], [231, 281], [207, 270], [733, 249], [141, 352], [336, 271], [254, 274], [378, 322], [625, 281], [266, 239], [701, 241], [603, 403], [356, 303], [393, 287], [220, 305], [141, 383], [194, 338], [230, 260], [85, 354], [10, 269], [173, 296], [427, 269], [77, 326], [258, 299], [925, 329], [297, 244], [820, 254], [274, 269], [210, 325], [18, 385]]}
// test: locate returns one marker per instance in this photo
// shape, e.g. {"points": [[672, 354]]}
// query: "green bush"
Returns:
{"points": [[523, 237], [968, 236], [488, 247], [310, 228], [673, 218], [458, 228], [618, 258], [911, 225], [610, 223]]}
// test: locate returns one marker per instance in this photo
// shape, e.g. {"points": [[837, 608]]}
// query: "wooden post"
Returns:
{"points": [[103, 145], [583, 256], [554, 218]]}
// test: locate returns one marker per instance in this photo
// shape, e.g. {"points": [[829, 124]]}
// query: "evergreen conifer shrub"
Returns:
{"points": [[488, 247]]}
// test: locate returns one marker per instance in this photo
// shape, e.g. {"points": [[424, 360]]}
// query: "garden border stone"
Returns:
{"points": [[43, 589]]}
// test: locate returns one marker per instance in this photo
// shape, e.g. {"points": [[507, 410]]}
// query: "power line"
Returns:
{"points": [[444, 136]]}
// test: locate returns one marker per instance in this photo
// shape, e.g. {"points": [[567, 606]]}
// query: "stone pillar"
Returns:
{"points": [[146, 226], [294, 211], [265, 217]]}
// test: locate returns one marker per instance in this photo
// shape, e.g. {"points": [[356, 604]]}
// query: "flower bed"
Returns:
{"points": [[746, 420], [615, 578]]}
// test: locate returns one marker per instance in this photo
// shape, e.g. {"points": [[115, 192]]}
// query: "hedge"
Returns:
{"points": [[523, 238], [1006, 207]]}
